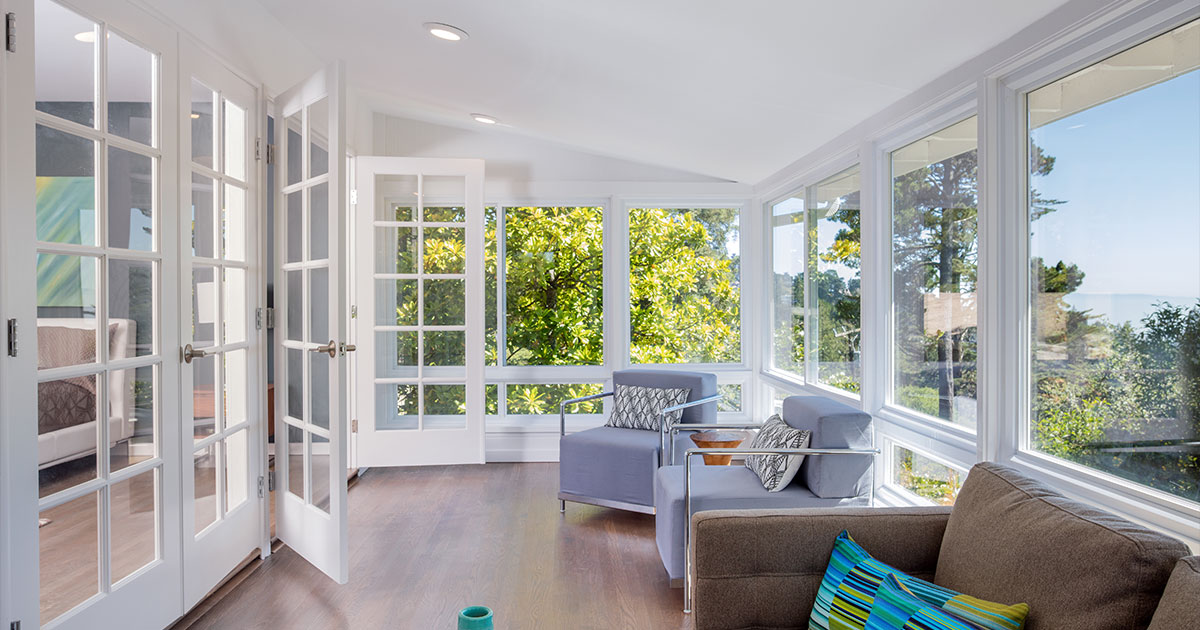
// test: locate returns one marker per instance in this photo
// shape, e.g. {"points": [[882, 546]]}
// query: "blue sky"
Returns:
{"points": [[1129, 171]]}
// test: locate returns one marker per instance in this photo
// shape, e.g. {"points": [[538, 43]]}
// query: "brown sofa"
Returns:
{"points": [[1008, 539]]}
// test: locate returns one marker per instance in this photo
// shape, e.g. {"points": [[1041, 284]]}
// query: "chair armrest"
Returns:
{"points": [[687, 492], [562, 409], [662, 425], [762, 568]]}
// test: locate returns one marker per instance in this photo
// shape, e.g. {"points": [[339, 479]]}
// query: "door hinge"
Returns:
{"points": [[353, 311], [10, 44], [16, 625], [271, 481], [258, 150], [258, 318], [354, 196], [12, 337], [261, 484], [354, 425], [270, 154], [270, 319]]}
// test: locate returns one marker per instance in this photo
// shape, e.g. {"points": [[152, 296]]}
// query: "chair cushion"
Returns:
{"points": [[637, 407], [718, 488], [701, 384], [776, 471], [1011, 538], [1179, 607], [609, 463], [833, 425], [847, 595]]}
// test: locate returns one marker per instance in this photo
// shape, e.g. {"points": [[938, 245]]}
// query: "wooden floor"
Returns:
{"points": [[426, 542]]}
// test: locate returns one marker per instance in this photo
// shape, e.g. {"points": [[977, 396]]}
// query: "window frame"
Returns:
{"points": [[1003, 150], [951, 111]]}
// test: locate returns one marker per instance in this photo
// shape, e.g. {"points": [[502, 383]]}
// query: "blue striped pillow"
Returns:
{"points": [[897, 608], [847, 594]]}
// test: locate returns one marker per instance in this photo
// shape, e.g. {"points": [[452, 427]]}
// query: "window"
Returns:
{"points": [[925, 477], [834, 261], [684, 285], [787, 286], [934, 246], [554, 286], [1113, 198]]}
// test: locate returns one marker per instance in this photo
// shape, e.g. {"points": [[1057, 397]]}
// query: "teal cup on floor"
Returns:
{"points": [[475, 618]]}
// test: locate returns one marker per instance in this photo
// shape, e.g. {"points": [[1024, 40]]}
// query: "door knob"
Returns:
{"points": [[190, 353], [330, 348]]}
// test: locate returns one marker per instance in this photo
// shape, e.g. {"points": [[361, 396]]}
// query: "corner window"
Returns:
{"points": [[834, 270], [685, 285], [935, 232], [787, 286], [1114, 218]]}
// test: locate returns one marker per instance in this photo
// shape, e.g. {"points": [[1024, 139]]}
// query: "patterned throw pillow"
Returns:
{"points": [[848, 590], [636, 407], [897, 608], [776, 471]]}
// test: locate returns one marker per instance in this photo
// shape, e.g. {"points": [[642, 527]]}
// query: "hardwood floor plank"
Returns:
{"points": [[426, 542]]}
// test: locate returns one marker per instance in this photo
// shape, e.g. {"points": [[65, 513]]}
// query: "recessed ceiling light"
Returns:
{"points": [[484, 118], [87, 37], [445, 31]]}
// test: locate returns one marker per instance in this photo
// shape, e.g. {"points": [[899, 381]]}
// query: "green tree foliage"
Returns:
{"points": [[684, 286], [838, 300]]}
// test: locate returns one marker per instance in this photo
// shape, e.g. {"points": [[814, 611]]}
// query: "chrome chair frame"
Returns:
{"points": [[687, 492]]}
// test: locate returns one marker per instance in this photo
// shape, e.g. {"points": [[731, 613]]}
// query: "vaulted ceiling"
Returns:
{"points": [[729, 89]]}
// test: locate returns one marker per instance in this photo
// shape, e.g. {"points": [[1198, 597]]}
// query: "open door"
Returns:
{"points": [[419, 291], [311, 431]]}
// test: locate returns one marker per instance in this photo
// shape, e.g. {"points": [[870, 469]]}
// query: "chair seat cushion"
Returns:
{"points": [[612, 464], [719, 488]]}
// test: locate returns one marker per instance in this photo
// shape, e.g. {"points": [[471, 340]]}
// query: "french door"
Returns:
{"points": [[98, 265], [221, 437], [311, 368], [419, 292]]}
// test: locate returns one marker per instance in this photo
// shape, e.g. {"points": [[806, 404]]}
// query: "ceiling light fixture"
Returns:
{"points": [[484, 118], [87, 37], [445, 31]]}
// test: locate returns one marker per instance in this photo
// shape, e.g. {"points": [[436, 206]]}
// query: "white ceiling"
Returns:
{"points": [[729, 89]]}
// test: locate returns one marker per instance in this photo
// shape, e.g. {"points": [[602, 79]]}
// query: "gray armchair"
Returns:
{"points": [[613, 467], [836, 472]]}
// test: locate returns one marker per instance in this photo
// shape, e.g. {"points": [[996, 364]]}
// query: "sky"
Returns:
{"points": [[1129, 172]]}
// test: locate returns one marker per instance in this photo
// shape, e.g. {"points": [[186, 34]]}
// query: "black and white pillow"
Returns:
{"points": [[636, 407], [777, 471]]}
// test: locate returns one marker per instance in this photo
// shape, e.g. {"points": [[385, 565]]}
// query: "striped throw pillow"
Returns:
{"points": [[897, 608], [847, 593]]}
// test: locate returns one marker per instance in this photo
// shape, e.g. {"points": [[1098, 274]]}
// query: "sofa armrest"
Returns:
{"points": [[762, 568]]}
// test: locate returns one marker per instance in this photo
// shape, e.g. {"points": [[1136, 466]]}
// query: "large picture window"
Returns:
{"points": [[787, 286], [934, 245], [1114, 211], [834, 270], [685, 285]]}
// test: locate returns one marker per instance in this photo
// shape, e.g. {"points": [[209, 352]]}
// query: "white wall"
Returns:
{"points": [[512, 157]]}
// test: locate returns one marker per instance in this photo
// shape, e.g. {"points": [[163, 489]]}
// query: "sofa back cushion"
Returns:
{"points": [[1180, 604], [1010, 538], [833, 425], [700, 384]]}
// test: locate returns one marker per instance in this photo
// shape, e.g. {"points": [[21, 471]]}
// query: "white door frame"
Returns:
{"points": [[319, 537], [414, 447]]}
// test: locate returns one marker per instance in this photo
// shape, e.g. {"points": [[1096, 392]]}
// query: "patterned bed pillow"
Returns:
{"points": [[847, 594], [636, 407], [897, 608], [776, 471]]}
